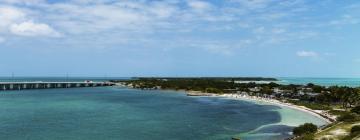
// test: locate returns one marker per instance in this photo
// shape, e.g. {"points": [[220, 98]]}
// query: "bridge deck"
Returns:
{"points": [[50, 82], [46, 85]]}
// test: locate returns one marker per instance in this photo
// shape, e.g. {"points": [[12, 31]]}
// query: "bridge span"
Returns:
{"points": [[47, 85]]}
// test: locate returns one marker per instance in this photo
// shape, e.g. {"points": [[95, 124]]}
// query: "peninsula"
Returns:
{"points": [[339, 105]]}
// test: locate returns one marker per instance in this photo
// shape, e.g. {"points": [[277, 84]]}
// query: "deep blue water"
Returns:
{"points": [[110, 113]]}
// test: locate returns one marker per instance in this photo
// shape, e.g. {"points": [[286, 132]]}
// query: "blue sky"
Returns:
{"points": [[275, 38]]}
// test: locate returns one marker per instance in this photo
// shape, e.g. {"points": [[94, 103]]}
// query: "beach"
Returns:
{"points": [[318, 113]]}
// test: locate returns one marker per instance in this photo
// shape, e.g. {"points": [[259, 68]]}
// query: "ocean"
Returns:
{"points": [[351, 82], [115, 113]]}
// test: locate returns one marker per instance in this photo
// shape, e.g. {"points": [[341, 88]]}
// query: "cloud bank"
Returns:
{"points": [[259, 22]]}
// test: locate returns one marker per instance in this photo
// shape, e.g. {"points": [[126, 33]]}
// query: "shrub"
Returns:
{"points": [[337, 112], [315, 106], [307, 137], [307, 128], [213, 90], [356, 110], [348, 117], [355, 129]]}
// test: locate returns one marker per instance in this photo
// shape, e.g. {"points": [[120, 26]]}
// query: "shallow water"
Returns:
{"points": [[109, 113], [351, 82]]}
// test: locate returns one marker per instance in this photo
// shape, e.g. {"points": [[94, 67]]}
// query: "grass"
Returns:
{"points": [[337, 112], [338, 131]]}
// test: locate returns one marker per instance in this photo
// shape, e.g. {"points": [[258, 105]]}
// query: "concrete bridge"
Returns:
{"points": [[48, 85]]}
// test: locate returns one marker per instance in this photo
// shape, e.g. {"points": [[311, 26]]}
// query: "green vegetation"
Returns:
{"points": [[204, 85], [328, 133], [209, 78], [213, 90], [348, 117], [356, 110], [311, 105], [310, 95], [309, 136], [354, 132], [307, 128], [355, 129], [337, 131], [338, 112]]}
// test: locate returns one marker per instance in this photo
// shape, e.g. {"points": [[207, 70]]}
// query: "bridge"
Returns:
{"points": [[47, 85]]}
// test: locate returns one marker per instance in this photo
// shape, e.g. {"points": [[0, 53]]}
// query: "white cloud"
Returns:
{"points": [[23, 1], [122, 16], [199, 5], [84, 16], [266, 22], [10, 15], [307, 54], [163, 10], [29, 28], [16, 21]]}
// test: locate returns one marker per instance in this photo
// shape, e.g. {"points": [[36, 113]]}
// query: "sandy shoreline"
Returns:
{"points": [[318, 113]]}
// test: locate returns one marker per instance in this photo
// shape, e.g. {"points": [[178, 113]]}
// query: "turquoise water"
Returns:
{"points": [[110, 113], [352, 82]]}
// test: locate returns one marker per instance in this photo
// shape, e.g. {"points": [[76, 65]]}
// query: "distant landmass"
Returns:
{"points": [[210, 78]]}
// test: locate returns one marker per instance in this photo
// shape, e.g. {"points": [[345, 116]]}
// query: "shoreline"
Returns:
{"points": [[329, 119], [317, 113]]}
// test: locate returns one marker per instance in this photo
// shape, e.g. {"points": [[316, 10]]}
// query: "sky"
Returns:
{"points": [[122, 38]]}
